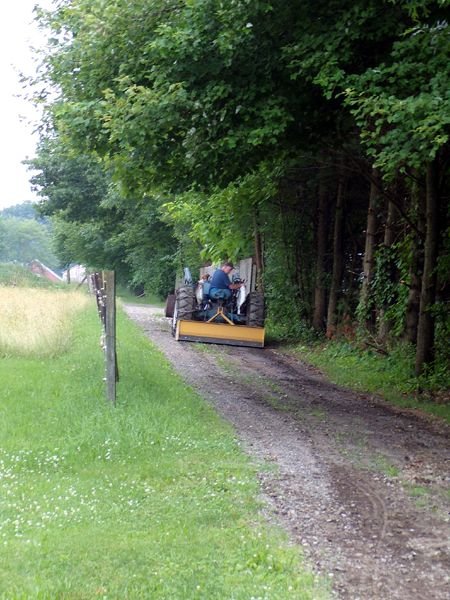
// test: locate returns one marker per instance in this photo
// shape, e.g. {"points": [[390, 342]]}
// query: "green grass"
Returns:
{"points": [[392, 377], [420, 494], [12, 274], [383, 465], [126, 296], [151, 499]]}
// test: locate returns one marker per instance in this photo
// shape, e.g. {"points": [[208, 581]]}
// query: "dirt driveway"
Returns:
{"points": [[362, 487]]}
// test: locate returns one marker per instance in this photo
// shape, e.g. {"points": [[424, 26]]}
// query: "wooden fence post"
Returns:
{"points": [[104, 285], [110, 335]]}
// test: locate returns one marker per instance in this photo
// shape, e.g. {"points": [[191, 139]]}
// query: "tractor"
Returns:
{"points": [[238, 321]]}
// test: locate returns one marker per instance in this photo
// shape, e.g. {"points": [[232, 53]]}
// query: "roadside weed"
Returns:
{"points": [[319, 414], [383, 465], [421, 495]]}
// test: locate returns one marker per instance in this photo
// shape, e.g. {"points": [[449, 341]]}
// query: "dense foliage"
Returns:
{"points": [[94, 225], [313, 135]]}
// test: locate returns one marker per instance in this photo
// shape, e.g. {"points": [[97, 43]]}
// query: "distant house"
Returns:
{"points": [[41, 270], [75, 274]]}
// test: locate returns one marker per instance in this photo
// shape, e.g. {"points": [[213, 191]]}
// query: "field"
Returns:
{"points": [[151, 499], [37, 322]]}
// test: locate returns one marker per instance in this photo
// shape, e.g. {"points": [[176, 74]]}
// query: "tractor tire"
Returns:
{"points": [[185, 302], [170, 305], [184, 305], [255, 310]]}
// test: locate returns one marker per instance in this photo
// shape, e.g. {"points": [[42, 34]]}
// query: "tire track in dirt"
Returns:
{"points": [[338, 469]]}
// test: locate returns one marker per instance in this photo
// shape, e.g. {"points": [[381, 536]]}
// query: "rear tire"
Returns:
{"points": [[255, 310], [184, 305], [185, 302], [170, 305]]}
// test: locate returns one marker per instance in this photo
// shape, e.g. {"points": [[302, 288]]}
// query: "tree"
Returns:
{"points": [[366, 300], [319, 316], [94, 225], [425, 331], [25, 240], [338, 257], [25, 210], [402, 107], [2, 235]]}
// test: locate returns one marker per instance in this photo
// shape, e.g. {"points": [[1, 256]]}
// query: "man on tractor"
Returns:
{"points": [[221, 286]]}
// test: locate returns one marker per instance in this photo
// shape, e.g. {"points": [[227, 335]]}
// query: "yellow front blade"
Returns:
{"points": [[220, 333]]}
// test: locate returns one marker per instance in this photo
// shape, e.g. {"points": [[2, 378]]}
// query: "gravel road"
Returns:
{"points": [[361, 486]]}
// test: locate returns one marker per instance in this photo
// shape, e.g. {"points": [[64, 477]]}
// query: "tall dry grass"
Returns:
{"points": [[36, 322]]}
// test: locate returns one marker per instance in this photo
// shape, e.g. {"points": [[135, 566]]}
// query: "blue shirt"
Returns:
{"points": [[220, 280]]}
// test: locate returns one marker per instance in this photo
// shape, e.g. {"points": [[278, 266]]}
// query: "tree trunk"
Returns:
{"points": [[258, 256], [415, 269], [367, 317], [425, 331], [389, 238], [338, 259], [389, 229], [320, 306]]}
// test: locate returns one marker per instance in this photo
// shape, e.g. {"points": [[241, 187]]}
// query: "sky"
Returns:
{"points": [[18, 118]]}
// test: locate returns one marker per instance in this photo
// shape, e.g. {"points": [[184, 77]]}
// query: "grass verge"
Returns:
{"points": [[126, 295], [152, 499], [391, 376]]}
